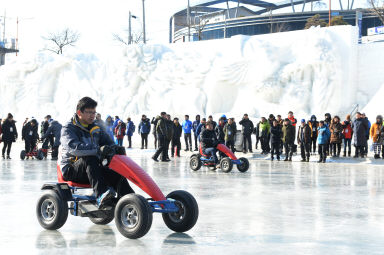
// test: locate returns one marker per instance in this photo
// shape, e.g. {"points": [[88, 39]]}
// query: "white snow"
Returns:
{"points": [[309, 72]]}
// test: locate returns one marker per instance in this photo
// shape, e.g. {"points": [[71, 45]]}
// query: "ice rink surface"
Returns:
{"points": [[274, 208]]}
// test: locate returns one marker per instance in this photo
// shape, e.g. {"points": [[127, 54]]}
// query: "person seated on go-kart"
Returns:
{"points": [[83, 143], [209, 141]]}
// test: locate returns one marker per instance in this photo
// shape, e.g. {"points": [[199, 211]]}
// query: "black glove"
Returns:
{"points": [[119, 150], [106, 151]]}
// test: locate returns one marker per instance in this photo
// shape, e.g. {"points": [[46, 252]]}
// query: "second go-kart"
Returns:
{"points": [[132, 212], [36, 153], [226, 162]]}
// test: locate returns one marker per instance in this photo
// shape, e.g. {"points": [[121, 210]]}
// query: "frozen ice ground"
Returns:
{"points": [[275, 208]]}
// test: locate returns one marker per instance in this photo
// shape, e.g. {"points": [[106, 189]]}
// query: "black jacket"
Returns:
{"points": [[177, 131], [208, 139], [220, 135], [360, 128], [9, 131], [54, 129], [247, 126], [276, 134], [29, 133]]}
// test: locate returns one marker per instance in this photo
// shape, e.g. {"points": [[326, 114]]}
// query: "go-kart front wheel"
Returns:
{"points": [[244, 165], [133, 216], [226, 165], [186, 217], [51, 210], [195, 162], [40, 155], [23, 154], [105, 219]]}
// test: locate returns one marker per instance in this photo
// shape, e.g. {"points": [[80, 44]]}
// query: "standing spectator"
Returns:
{"points": [[195, 125], [347, 134], [144, 130], [304, 140], [280, 122], [49, 140], [154, 123], [288, 139], [271, 118], [359, 127], [247, 130], [9, 135], [264, 137], [120, 132], [1, 132], [55, 130], [313, 124], [336, 136], [115, 123], [292, 119], [30, 135], [276, 134], [257, 132], [109, 127], [230, 134], [161, 132], [201, 128], [377, 135], [169, 135], [130, 131], [219, 130], [177, 131], [327, 122], [322, 140], [214, 124], [366, 135], [187, 128], [99, 122]]}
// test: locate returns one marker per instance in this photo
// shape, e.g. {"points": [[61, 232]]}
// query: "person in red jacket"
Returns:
{"points": [[120, 132], [292, 118], [347, 134]]}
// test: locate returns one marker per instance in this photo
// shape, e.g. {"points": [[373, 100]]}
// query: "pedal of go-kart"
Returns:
{"points": [[89, 209]]}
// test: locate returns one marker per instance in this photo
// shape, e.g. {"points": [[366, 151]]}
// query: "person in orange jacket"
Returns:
{"points": [[292, 119], [376, 133], [120, 132], [347, 134]]}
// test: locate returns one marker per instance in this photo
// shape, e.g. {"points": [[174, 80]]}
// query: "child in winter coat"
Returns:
{"points": [[377, 135], [336, 136], [276, 134], [347, 134], [130, 130], [322, 141], [120, 132]]}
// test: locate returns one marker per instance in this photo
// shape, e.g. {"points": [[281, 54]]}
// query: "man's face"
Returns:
{"points": [[186, 117], [197, 117], [87, 116], [286, 123], [176, 122], [246, 117], [210, 118], [321, 124], [98, 116], [144, 117], [275, 123], [278, 118], [290, 114], [302, 124], [358, 116], [230, 121], [210, 127]]}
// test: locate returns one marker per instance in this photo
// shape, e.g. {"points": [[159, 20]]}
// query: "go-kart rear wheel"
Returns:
{"points": [[244, 165], [186, 217], [226, 165], [51, 210], [107, 218], [40, 155], [133, 216], [23, 154], [195, 162]]}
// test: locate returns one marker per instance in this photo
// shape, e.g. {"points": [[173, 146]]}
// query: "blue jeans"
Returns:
{"points": [[347, 144], [211, 151]]}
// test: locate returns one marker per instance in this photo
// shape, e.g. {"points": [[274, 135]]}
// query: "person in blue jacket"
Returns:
{"points": [[322, 140], [200, 128], [109, 126], [195, 125], [115, 123], [187, 129], [144, 129], [130, 130]]}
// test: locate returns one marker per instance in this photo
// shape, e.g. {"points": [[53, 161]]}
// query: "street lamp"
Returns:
{"points": [[143, 23], [130, 27]]}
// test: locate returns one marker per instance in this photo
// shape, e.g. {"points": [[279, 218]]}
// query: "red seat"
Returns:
{"points": [[72, 184]]}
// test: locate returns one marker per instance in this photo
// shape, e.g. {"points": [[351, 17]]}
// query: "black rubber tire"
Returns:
{"points": [[23, 154], [226, 165], [40, 155], [195, 162], [188, 214], [138, 207], [110, 215], [51, 210], [244, 166]]}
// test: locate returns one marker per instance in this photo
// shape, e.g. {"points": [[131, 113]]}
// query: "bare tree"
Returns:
{"points": [[377, 8], [59, 40], [199, 27], [137, 38]]}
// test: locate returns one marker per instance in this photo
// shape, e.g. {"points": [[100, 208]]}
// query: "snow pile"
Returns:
{"points": [[309, 72]]}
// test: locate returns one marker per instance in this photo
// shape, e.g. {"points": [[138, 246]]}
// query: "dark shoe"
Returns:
{"points": [[196, 149], [272, 159], [278, 158], [290, 159], [250, 151], [324, 159], [356, 156], [186, 149], [345, 154], [286, 159], [307, 159], [303, 160], [320, 160], [3, 156], [191, 149], [103, 198], [362, 156], [165, 160], [155, 159], [8, 157], [54, 158], [142, 148], [172, 156]]}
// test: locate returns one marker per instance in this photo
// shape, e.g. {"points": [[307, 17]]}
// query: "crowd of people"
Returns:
{"points": [[276, 136]]}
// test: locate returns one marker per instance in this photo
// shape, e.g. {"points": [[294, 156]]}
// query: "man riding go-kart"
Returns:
{"points": [[82, 144], [209, 142]]}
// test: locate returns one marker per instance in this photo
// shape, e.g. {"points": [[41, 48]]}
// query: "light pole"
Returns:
{"points": [[130, 27], [329, 22], [143, 23], [189, 22]]}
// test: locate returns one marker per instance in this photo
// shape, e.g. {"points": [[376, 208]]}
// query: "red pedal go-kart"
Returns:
{"points": [[226, 162], [36, 153], [132, 212]]}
